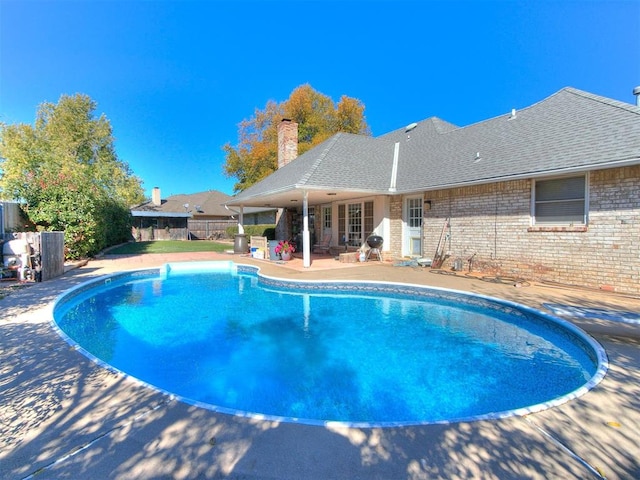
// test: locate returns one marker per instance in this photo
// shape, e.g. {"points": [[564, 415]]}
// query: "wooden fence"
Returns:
{"points": [[10, 217], [150, 234], [210, 229], [52, 254]]}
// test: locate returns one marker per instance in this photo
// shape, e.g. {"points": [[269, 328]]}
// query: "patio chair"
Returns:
{"points": [[324, 245]]}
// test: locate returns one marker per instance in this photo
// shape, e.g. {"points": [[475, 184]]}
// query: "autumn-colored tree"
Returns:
{"points": [[318, 118], [66, 172]]}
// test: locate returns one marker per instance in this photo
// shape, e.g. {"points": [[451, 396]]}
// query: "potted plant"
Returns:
{"points": [[285, 248]]}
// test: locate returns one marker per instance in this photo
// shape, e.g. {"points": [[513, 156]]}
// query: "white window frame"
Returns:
{"points": [[326, 217], [412, 230], [366, 222], [535, 220]]}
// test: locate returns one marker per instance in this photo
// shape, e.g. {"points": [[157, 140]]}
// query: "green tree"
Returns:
{"points": [[318, 118], [66, 172]]}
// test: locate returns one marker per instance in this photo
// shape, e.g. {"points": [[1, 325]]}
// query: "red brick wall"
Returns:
{"points": [[492, 223], [395, 227], [287, 142]]}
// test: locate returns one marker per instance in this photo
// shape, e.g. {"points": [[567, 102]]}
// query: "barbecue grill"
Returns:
{"points": [[375, 244]]}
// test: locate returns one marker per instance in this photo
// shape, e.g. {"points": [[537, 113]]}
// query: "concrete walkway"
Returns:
{"points": [[62, 416]]}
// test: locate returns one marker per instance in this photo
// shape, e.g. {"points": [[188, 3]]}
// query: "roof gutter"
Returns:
{"points": [[238, 201], [145, 213], [546, 173]]}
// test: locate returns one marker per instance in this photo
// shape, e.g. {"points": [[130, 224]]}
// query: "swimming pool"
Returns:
{"points": [[220, 336]]}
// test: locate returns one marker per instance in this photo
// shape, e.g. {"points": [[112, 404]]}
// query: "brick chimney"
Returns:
{"points": [[155, 197], [287, 142]]}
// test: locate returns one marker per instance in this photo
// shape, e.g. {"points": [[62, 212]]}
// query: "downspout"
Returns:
{"points": [[306, 248], [394, 169], [240, 218]]}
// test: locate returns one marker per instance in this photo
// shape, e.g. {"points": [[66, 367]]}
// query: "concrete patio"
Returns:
{"points": [[63, 416]]}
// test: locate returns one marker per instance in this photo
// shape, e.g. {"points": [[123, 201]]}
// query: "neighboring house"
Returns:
{"points": [[196, 216], [550, 192]]}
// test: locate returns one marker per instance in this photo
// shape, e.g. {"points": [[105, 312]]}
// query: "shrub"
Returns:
{"points": [[265, 230]]}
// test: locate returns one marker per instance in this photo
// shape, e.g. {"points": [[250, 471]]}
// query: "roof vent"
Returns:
{"points": [[636, 92], [410, 127], [513, 114]]}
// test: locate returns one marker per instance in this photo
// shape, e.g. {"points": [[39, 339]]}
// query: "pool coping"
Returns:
{"points": [[598, 353], [158, 436]]}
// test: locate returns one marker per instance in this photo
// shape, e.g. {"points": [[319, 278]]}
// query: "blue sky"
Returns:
{"points": [[176, 77]]}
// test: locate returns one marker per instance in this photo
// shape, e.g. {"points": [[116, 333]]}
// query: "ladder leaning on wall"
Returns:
{"points": [[440, 257]]}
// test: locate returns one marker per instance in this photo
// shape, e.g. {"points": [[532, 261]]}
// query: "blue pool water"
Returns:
{"points": [[362, 353]]}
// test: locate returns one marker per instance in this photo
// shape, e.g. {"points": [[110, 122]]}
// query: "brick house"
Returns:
{"points": [[548, 193]]}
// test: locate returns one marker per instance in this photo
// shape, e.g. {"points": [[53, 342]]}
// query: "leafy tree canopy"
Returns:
{"points": [[66, 171], [318, 118]]}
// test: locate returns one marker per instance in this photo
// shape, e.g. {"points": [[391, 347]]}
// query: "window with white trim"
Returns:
{"points": [[414, 212], [560, 201], [368, 219], [355, 222], [342, 224], [326, 217]]}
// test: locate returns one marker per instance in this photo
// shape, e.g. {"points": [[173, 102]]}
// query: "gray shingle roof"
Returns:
{"points": [[344, 161], [569, 131], [209, 203]]}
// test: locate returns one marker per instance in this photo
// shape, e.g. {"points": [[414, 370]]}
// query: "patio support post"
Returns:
{"points": [[240, 242], [241, 220], [306, 248]]}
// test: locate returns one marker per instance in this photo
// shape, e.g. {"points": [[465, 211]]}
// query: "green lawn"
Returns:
{"points": [[170, 246]]}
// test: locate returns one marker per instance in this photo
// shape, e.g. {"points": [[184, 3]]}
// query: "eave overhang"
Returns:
{"points": [[147, 213], [291, 197]]}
